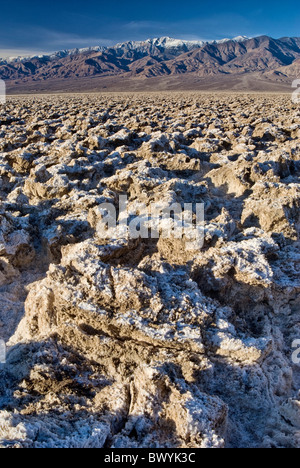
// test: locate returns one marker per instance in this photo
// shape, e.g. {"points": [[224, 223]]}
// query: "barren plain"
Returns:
{"points": [[143, 343]]}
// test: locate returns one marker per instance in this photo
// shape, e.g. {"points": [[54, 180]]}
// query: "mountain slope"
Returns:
{"points": [[161, 57]]}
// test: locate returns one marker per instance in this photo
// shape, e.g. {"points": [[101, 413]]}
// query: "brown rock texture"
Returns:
{"points": [[124, 342]]}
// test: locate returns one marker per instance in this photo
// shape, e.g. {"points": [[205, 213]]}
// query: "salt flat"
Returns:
{"points": [[123, 342]]}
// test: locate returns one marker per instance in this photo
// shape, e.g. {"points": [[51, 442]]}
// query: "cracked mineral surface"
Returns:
{"points": [[141, 342]]}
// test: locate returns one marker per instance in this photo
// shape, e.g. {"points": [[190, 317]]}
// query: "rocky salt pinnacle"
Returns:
{"points": [[2, 352]]}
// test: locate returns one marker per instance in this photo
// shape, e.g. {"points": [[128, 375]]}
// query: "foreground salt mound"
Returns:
{"points": [[144, 342]]}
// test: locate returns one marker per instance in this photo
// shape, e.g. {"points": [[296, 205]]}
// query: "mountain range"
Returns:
{"points": [[161, 62]]}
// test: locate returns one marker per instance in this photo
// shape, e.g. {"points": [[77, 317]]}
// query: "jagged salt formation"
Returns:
{"points": [[143, 343]]}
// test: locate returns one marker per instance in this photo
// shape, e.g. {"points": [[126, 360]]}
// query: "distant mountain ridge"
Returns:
{"points": [[164, 42], [162, 57]]}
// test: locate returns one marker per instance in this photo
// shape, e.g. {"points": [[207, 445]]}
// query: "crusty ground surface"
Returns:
{"points": [[144, 343]]}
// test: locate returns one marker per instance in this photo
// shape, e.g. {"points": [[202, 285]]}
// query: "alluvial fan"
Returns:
{"points": [[144, 342]]}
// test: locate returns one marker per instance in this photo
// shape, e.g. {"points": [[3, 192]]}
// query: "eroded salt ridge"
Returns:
{"points": [[144, 343]]}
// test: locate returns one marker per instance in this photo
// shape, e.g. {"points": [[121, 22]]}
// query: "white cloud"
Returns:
{"points": [[54, 38], [49, 41], [5, 53]]}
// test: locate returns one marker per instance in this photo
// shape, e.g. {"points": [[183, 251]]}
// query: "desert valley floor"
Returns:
{"points": [[143, 342]]}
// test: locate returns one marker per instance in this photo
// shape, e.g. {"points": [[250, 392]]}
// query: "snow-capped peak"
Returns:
{"points": [[168, 43], [54, 55], [241, 38]]}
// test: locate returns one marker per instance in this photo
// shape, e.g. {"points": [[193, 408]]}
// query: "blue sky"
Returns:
{"points": [[37, 27]]}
